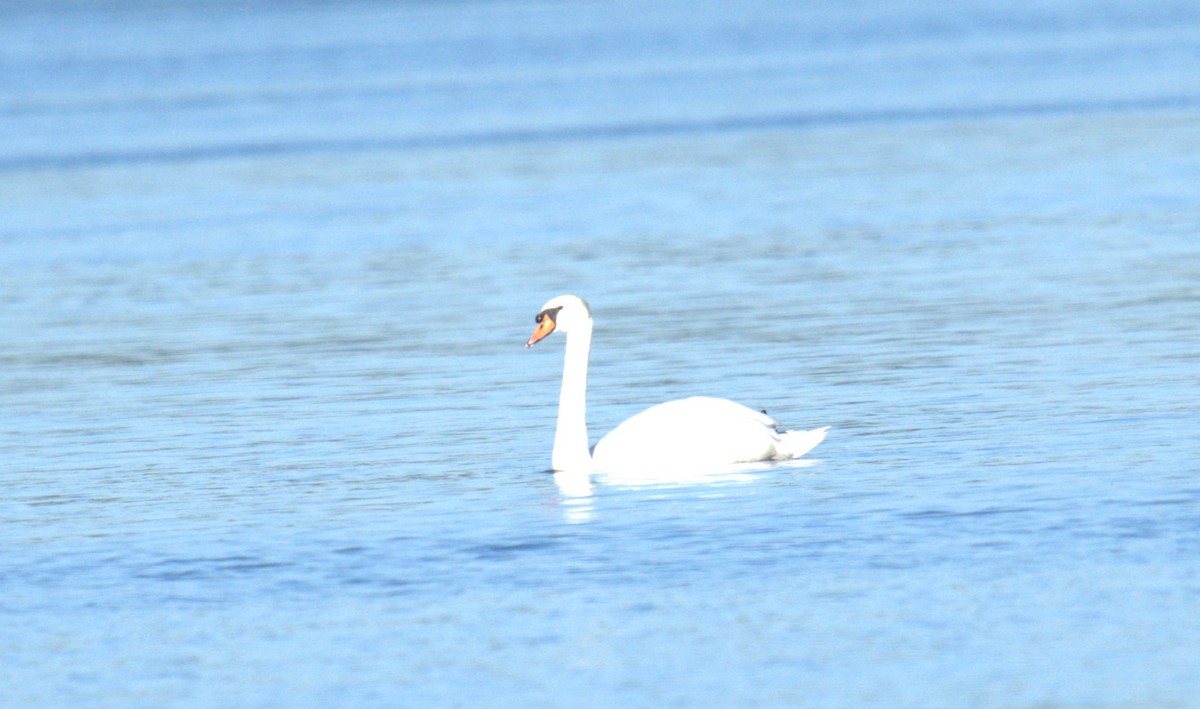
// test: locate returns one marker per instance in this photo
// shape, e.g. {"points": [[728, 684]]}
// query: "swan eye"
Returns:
{"points": [[547, 314]]}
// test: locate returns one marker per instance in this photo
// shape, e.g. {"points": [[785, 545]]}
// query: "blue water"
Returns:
{"points": [[270, 436]]}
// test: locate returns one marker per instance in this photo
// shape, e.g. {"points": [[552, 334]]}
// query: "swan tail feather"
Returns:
{"points": [[793, 444]]}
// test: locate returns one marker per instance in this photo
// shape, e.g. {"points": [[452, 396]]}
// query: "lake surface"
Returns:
{"points": [[270, 436]]}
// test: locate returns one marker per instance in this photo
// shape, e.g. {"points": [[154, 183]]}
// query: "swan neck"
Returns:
{"points": [[570, 435]]}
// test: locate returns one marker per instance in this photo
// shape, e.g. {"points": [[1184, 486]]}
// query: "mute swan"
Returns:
{"points": [[700, 432]]}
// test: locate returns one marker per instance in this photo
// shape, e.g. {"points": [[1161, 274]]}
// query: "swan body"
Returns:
{"points": [[696, 431], [693, 433]]}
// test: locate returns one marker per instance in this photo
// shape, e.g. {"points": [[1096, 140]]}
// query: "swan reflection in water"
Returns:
{"points": [[698, 440], [577, 488]]}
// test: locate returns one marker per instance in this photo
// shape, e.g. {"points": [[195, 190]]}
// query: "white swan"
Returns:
{"points": [[695, 433]]}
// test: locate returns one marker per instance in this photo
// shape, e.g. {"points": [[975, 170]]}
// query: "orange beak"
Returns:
{"points": [[544, 327]]}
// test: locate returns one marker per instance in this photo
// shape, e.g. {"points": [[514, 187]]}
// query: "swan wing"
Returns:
{"points": [[698, 431]]}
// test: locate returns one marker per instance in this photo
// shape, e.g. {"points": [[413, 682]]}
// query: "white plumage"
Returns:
{"points": [[686, 434]]}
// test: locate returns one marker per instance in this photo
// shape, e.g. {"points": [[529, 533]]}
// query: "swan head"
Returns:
{"points": [[564, 313]]}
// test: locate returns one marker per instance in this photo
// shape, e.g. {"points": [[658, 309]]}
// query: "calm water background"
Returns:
{"points": [[270, 436]]}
